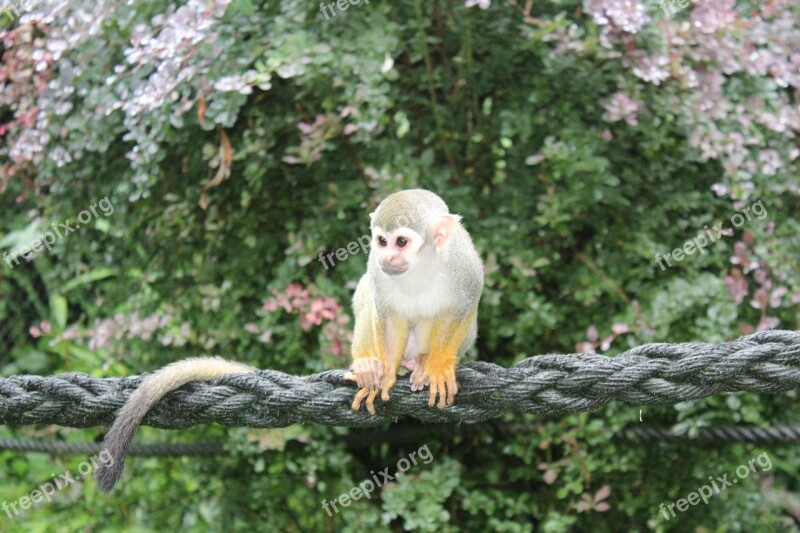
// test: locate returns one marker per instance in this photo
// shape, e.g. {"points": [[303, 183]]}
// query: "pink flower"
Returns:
{"points": [[626, 15], [621, 106], [737, 285]]}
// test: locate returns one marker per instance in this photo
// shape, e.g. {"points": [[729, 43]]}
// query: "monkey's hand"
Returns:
{"points": [[440, 374], [367, 372]]}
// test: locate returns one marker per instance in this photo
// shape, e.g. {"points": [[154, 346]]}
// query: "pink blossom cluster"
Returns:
{"points": [[769, 286], [313, 309], [697, 59], [593, 340], [114, 332]]}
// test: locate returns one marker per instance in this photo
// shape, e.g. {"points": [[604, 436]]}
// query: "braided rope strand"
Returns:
{"points": [[764, 363]]}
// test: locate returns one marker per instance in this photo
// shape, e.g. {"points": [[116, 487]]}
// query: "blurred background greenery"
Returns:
{"points": [[235, 141]]}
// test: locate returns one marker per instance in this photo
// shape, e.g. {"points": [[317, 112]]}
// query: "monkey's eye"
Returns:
{"points": [[381, 242], [401, 242]]}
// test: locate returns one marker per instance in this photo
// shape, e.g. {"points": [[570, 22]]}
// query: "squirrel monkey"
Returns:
{"points": [[417, 305]]}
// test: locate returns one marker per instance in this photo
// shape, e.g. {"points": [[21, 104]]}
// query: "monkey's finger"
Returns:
{"points": [[452, 389], [359, 397], [420, 384], [418, 379], [366, 379], [435, 384], [376, 373], [371, 401], [443, 393], [357, 376], [386, 386], [415, 381], [375, 379]]}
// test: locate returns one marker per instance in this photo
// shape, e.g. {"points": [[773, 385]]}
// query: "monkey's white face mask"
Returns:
{"points": [[403, 249], [397, 251]]}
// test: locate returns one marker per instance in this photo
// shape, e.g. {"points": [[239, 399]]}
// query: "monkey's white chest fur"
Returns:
{"points": [[420, 299], [419, 296]]}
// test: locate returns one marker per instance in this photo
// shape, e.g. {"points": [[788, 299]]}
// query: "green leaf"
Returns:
{"points": [[88, 277], [58, 310], [245, 6], [89, 358]]}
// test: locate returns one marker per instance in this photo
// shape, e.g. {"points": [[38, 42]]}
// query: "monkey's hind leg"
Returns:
{"points": [[449, 338]]}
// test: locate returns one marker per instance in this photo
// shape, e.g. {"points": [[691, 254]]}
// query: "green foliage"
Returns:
{"points": [[241, 142]]}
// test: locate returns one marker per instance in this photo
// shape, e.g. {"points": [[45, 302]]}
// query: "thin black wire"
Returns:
{"points": [[363, 438]]}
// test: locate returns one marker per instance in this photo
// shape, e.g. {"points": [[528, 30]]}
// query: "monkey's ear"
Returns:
{"points": [[443, 228], [371, 217]]}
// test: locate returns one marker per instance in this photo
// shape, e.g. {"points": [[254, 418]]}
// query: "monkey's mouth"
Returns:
{"points": [[394, 270]]}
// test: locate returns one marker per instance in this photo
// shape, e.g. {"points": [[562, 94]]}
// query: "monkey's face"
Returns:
{"points": [[396, 251]]}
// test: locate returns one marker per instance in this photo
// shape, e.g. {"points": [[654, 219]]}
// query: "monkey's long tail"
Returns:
{"points": [[153, 388]]}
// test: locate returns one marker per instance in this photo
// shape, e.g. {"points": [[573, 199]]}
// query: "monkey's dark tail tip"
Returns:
{"points": [[115, 446], [108, 471]]}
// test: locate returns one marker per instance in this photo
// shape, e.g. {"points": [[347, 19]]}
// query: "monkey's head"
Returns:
{"points": [[409, 228]]}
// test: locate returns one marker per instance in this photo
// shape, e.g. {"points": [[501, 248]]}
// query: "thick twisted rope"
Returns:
{"points": [[765, 363]]}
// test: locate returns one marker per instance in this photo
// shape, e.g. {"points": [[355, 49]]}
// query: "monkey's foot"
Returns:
{"points": [[441, 376], [413, 364], [410, 364], [418, 379]]}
